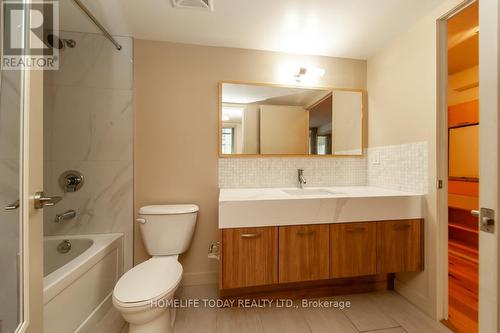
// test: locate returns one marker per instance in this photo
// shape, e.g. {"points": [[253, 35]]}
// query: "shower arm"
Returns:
{"points": [[99, 25]]}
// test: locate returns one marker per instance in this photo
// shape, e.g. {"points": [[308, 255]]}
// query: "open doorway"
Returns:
{"points": [[463, 169]]}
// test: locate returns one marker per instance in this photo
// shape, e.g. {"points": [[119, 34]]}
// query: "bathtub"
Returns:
{"points": [[78, 285]]}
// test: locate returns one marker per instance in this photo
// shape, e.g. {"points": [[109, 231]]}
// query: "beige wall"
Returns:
{"points": [[176, 127], [403, 109]]}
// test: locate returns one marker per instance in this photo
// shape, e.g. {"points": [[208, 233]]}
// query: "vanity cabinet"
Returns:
{"points": [[249, 257], [399, 246], [319, 255], [353, 249], [303, 253]]}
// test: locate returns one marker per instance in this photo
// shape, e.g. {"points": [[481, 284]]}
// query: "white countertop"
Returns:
{"points": [[258, 207], [251, 194]]}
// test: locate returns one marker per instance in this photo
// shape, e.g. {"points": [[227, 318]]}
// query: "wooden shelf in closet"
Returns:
{"points": [[455, 225], [463, 114], [465, 271], [463, 251], [463, 291]]}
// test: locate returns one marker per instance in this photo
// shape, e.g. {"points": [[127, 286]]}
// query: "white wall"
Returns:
{"points": [[88, 120], [403, 109]]}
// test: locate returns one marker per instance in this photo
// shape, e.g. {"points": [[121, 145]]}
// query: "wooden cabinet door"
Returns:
{"points": [[249, 257], [303, 253], [399, 246], [353, 249]]}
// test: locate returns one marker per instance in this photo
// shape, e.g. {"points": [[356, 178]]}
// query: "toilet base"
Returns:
{"points": [[161, 324]]}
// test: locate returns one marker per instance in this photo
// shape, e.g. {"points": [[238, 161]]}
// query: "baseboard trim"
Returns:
{"points": [[417, 299], [199, 278]]}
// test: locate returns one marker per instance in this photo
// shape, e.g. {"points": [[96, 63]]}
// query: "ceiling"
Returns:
{"points": [[463, 40], [342, 28], [270, 95]]}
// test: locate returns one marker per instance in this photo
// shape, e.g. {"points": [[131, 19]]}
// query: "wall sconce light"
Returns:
{"points": [[308, 72], [302, 72]]}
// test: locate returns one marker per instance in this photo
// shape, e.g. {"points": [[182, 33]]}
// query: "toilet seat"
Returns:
{"points": [[149, 281]]}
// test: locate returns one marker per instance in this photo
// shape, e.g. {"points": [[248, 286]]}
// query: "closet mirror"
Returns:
{"points": [[270, 120]]}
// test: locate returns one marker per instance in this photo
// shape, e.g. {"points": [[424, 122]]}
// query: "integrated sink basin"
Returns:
{"points": [[260, 207], [307, 191]]}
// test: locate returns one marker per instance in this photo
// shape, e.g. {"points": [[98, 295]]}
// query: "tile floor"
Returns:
{"points": [[380, 312]]}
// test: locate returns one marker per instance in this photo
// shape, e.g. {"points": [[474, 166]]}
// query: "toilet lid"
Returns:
{"points": [[149, 280], [168, 209]]}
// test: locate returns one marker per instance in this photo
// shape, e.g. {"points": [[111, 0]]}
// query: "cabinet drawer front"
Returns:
{"points": [[303, 253], [399, 246], [249, 257], [353, 249]]}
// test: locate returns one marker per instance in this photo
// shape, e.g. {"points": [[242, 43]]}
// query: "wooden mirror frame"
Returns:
{"points": [[364, 119]]}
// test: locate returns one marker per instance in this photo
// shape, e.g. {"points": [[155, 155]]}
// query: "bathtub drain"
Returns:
{"points": [[64, 246]]}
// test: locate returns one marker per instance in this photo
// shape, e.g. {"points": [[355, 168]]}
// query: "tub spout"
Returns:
{"points": [[70, 214]]}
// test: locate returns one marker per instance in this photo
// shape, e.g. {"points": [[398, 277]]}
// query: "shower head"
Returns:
{"points": [[60, 43]]}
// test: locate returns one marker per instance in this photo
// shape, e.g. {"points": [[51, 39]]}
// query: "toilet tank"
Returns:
{"points": [[167, 229]]}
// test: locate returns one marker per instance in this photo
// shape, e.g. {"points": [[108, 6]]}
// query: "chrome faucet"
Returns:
{"points": [[302, 180], [70, 214]]}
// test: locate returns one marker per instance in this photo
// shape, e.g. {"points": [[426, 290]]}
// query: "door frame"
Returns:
{"points": [[489, 73], [489, 21], [24, 230], [442, 156], [24, 225], [31, 181]]}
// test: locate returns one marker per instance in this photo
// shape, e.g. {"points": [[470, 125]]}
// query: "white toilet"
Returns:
{"points": [[141, 295]]}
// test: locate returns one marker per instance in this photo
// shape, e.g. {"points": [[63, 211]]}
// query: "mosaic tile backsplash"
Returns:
{"points": [[399, 167], [282, 172], [402, 167]]}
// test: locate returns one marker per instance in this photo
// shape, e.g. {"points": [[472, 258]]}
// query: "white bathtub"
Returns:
{"points": [[78, 285]]}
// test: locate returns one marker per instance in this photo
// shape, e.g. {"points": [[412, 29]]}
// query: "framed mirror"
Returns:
{"points": [[273, 120]]}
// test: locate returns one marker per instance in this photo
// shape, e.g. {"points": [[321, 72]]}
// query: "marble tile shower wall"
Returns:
{"points": [[401, 167], [282, 172], [88, 124]]}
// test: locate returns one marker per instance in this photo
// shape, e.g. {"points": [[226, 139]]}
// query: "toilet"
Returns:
{"points": [[143, 293]]}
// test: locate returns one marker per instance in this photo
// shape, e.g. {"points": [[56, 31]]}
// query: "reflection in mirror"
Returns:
{"points": [[276, 120], [348, 123], [320, 127]]}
